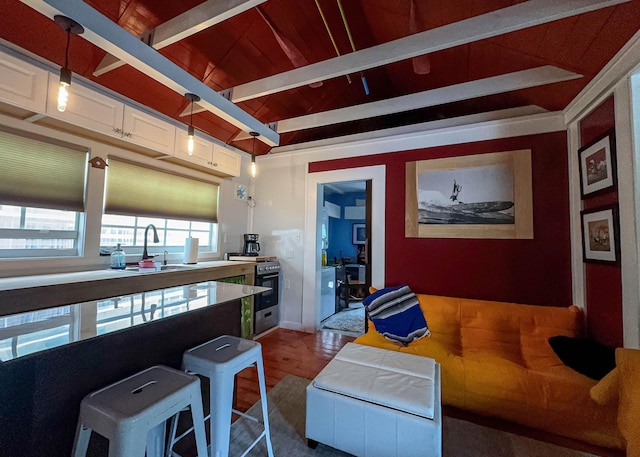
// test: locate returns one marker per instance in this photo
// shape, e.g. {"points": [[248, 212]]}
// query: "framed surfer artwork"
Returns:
{"points": [[597, 165], [478, 196]]}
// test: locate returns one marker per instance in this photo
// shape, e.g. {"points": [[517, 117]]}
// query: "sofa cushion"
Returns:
{"points": [[396, 313], [587, 357]]}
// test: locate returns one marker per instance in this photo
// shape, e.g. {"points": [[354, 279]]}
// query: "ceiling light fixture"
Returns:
{"points": [[190, 145], [253, 154], [70, 26]]}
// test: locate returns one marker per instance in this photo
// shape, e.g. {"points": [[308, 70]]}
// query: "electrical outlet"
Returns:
{"points": [[289, 254], [297, 238], [287, 284]]}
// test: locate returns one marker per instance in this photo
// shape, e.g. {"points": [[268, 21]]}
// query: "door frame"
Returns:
{"points": [[312, 257]]}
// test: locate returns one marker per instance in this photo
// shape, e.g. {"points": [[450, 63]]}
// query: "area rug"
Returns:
{"points": [[286, 402], [348, 321]]}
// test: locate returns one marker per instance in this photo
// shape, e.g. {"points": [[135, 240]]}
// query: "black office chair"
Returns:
{"points": [[342, 288]]}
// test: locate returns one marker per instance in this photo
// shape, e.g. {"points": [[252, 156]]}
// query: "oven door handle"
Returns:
{"points": [[269, 276]]}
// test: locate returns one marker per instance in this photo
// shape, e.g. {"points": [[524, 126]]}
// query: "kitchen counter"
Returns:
{"points": [[36, 331], [28, 293], [52, 358]]}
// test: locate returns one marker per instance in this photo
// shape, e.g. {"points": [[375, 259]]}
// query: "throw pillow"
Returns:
{"points": [[396, 313], [587, 357]]}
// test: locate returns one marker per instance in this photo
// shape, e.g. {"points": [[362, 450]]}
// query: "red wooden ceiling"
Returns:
{"points": [[243, 49]]}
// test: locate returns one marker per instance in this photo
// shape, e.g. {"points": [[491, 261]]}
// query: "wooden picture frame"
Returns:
{"points": [[601, 235], [598, 165], [359, 234], [488, 182]]}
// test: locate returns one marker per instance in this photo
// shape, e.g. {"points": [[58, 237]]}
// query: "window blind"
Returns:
{"points": [[39, 174], [137, 190]]}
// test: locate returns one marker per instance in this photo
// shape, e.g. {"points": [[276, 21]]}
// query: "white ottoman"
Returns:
{"points": [[374, 402]]}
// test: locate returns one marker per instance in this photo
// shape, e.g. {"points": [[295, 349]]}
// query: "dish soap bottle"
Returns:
{"points": [[118, 259]]}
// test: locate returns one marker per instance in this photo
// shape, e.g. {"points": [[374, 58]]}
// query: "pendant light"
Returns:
{"points": [[70, 26], [193, 98], [253, 154]]}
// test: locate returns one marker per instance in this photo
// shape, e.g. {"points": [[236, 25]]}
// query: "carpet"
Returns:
{"points": [[287, 422], [348, 321]]}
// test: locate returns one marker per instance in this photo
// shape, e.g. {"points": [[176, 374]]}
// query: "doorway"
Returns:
{"points": [[345, 225], [311, 300]]}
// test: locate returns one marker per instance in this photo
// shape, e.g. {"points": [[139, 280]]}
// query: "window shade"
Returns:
{"points": [[136, 190], [40, 174]]}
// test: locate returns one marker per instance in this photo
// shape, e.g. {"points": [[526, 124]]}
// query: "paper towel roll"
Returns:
{"points": [[191, 250]]}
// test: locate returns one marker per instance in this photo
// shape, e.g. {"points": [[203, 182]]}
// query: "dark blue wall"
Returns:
{"points": [[340, 230]]}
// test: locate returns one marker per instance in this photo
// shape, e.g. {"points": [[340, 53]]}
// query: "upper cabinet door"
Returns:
{"points": [[86, 108], [145, 130], [202, 149], [226, 161], [22, 84]]}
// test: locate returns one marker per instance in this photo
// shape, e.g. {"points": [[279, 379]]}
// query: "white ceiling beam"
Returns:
{"points": [[189, 23], [506, 20], [107, 35], [482, 87]]}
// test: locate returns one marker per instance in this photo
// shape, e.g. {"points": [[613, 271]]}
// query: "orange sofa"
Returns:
{"points": [[496, 361]]}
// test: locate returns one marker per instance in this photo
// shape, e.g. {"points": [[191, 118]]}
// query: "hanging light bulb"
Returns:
{"points": [[190, 142], [253, 154], [70, 26]]}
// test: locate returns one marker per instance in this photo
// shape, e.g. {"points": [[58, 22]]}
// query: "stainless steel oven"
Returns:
{"points": [[266, 304]]}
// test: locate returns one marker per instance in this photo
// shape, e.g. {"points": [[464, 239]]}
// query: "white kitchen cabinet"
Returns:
{"points": [[22, 84], [354, 212], [225, 161], [202, 148], [207, 154], [146, 130], [86, 108], [95, 111]]}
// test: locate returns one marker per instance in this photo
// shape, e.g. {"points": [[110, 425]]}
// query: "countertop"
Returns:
{"points": [[36, 331], [28, 293]]}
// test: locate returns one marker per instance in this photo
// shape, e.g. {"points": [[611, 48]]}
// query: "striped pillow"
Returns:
{"points": [[396, 313]]}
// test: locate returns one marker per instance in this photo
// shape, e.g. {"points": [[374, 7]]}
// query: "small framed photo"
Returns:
{"points": [[359, 233], [601, 235], [598, 165]]}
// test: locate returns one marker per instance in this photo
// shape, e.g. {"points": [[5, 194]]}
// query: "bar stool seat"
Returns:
{"points": [[124, 412], [220, 360]]}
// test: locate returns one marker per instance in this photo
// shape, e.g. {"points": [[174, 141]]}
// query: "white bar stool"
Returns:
{"points": [[220, 360], [126, 411]]}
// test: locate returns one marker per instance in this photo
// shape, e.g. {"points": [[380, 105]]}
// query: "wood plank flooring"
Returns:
{"points": [[288, 352]]}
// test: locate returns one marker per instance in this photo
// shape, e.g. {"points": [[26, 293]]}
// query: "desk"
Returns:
{"points": [[77, 349]]}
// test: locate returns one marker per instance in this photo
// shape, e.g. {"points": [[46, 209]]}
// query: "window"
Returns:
{"points": [[129, 231], [178, 206], [41, 197]]}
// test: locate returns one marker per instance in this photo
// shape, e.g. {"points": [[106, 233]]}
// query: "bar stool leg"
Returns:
{"points": [[263, 400], [197, 416], [221, 405], [128, 444], [81, 443]]}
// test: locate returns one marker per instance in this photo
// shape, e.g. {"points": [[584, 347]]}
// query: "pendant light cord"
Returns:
{"points": [[66, 52]]}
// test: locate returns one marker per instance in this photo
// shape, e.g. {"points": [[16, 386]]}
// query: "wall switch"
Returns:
{"points": [[287, 284]]}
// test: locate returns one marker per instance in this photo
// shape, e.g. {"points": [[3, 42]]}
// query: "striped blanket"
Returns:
{"points": [[396, 313]]}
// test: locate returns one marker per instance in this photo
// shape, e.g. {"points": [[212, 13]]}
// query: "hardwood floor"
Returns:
{"points": [[288, 352]]}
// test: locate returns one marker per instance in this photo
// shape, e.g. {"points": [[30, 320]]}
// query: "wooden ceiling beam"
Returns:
{"points": [[190, 22], [533, 77], [104, 33], [506, 20]]}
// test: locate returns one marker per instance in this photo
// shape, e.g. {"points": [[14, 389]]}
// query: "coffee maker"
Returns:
{"points": [[251, 245]]}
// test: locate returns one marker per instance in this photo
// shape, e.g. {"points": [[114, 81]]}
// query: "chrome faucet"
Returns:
{"points": [[145, 254]]}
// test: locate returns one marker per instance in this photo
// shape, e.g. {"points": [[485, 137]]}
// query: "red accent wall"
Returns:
{"points": [[536, 271], [603, 282]]}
